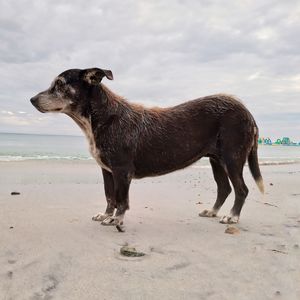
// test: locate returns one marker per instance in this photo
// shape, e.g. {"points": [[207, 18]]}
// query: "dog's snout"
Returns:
{"points": [[33, 101]]}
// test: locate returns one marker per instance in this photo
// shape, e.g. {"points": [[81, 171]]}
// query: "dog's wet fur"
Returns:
{"points": [[130, 141]]}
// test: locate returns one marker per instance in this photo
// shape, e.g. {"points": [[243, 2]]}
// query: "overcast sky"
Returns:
{"points": [[160, 52]]}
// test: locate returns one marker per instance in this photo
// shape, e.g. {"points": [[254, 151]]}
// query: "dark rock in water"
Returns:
{"points": [[271, 183], [130, 251], [15, 193]]}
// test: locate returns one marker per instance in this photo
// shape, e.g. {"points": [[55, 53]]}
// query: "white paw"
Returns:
{"points": [[210, 213], [100, 217], [229, 219], [113, 221]]}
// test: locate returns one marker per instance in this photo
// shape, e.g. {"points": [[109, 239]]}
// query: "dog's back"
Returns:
{"points": [[166, 139]]}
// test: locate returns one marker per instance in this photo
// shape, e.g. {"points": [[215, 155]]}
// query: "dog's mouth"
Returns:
{"points": [[56, 110], [41, 109]]}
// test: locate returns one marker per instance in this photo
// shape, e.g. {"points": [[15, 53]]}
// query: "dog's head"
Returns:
{"points": [[70, 90]]}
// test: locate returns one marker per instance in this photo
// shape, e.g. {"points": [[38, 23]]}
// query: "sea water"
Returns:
{"points": [[19, 147]]}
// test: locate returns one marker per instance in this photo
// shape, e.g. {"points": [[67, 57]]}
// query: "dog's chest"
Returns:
{"points": [[95, 152]]}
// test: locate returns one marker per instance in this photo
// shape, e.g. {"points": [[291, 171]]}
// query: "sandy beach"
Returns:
{"points": [[51, 249]]}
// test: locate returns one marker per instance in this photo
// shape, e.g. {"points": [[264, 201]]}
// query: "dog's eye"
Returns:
{"points": [[59, 83]]}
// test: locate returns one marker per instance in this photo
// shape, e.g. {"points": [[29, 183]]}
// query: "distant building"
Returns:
{"points": [[285, 141], [267, 141], [278, 142]]}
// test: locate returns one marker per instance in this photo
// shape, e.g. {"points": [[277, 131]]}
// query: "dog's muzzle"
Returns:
{"points": [[34, 101]]}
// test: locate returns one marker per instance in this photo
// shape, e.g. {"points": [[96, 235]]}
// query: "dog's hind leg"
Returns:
{"points": [[122, 180], [235, 173], [110, 197], [224, 188]]}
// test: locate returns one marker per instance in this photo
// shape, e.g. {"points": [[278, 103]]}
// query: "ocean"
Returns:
{"points": [[20, 147]]}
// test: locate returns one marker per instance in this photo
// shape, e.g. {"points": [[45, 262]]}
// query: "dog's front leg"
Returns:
{"points": [[110, 197], [122, 180]]}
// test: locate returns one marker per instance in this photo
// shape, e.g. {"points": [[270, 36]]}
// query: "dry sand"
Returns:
{"points": [[51, 249]]}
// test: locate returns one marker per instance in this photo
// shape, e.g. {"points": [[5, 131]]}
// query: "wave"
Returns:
{"points": [[7, 158], [261, 163], [279, 162]]}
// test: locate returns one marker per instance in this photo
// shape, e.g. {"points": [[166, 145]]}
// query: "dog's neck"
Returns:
{"points": [[85, 124], [99, 106]]}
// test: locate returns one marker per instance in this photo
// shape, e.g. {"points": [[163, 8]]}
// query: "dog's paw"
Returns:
{"points": [[229, 219], [113, 221], [209, 213], [100, 217]]}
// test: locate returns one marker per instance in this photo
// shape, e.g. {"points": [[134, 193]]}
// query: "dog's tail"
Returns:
{"points": [[254, 166]]}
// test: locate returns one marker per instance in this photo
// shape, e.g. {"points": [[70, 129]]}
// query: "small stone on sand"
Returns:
{"points": [[15, 193], [232, 230], [277, 293], [130, 252]]}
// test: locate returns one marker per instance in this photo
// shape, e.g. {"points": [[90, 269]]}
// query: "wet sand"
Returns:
{"points": [[51, 249]]}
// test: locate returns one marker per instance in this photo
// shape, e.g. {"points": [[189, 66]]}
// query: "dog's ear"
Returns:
{"points": [[95, 75]]}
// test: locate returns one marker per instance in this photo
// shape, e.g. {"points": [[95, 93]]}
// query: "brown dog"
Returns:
{"points": [[130, 141]]}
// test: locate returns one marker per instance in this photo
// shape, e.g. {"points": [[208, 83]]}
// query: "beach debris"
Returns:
{"points": [[15, 193], [120, 228], [277, 293], [232, 230], [269, 204], [130, 252], [271, 183], [278, 251], [199, 202], [291, 225], [11, 227]]}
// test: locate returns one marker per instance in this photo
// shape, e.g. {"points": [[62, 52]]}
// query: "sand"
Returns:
{"points": [[51, 249]]}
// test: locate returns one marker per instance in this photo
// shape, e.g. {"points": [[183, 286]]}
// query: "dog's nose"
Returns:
{"points": [[33, 100]]}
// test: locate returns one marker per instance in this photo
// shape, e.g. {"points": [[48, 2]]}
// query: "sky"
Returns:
{"points": [[160, 52]]}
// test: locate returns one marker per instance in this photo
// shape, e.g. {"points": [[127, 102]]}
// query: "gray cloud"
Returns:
{"points": [[161, 53]]}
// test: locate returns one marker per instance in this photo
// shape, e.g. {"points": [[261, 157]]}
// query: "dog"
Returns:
{"points": [[130, 141]]}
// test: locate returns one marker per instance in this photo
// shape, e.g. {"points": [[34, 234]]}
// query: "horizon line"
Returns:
{"points": [[52, 134], [47, 134]]}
